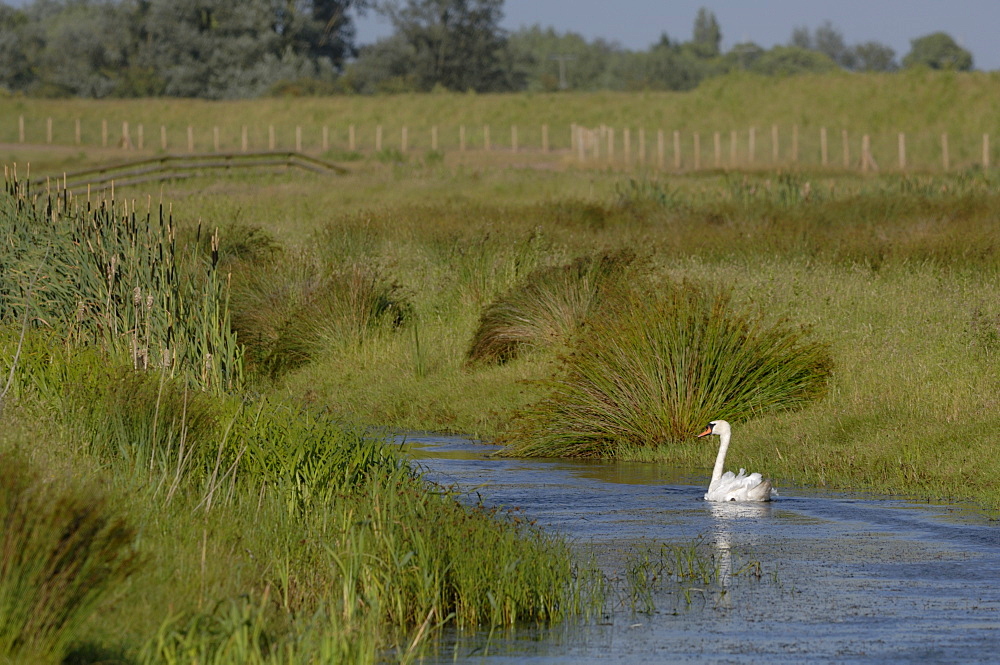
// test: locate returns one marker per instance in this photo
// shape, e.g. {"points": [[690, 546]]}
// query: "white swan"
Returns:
{"points": [[730, 487]]}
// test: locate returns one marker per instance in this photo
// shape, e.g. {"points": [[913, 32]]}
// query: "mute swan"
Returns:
{"points": [[730, 487]]}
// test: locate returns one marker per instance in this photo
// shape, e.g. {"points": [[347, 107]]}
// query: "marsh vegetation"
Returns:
{"points": [[207, 371]]}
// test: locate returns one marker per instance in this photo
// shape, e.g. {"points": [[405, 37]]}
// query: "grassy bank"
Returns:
{"points": [[157, 508]]}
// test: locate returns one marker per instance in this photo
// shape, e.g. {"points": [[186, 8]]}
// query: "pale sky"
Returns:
{"points": [[636, 24]]}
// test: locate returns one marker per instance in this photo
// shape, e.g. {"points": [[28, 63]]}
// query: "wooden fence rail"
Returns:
{"points": [[175, 167]]}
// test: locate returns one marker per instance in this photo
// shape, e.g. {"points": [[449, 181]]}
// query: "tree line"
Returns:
{"points": [[221, 49]]}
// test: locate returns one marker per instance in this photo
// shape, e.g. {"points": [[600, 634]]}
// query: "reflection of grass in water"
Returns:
{"points": [[696, 569]]}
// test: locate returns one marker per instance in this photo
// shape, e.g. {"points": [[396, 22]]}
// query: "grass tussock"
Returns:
{"points": [[650, 367], [290, 310], [62, 552], [546, 308]]}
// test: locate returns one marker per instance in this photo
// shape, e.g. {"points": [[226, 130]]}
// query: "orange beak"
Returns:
{"points": [[708, 430]]}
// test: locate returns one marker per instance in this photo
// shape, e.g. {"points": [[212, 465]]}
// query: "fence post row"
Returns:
{"points": [[586, 144]]}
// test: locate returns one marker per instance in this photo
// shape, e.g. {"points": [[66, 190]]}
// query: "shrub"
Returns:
{"points": [[546, 308], [649, 368]]}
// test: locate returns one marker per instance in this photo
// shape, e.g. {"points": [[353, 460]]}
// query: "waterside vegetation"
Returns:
{"points": [[199, 376]]}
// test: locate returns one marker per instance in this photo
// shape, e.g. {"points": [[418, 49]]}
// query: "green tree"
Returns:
{"points": [[18, 48], [457, 44], [786, 60], [707, 36], [874, 57], [549, 58], [937, 51]]}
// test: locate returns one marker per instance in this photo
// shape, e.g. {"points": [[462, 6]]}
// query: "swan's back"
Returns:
{"points": [[741, 487]]}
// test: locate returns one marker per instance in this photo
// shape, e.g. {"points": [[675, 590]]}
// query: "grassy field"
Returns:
{"points": [[922, 104], [244, 485]]}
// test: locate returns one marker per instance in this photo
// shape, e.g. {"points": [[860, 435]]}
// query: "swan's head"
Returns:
{"points": [[719, 427]]}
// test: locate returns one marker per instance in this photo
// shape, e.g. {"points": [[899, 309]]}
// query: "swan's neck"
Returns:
{"points": [[720, 460]]}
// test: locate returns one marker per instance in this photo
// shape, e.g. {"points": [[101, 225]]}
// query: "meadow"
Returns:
{"points": [[206, 374]]}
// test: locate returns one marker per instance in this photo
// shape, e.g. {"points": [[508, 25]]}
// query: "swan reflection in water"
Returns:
{"points": [[726, 517]]}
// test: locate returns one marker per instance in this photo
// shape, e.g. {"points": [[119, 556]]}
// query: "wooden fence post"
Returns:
{"points": [[824, 155], [190, 138], [986, 151], [867, 160], [677, 150], [126, 140], [378, 138], [945, 161], [902, 151]]}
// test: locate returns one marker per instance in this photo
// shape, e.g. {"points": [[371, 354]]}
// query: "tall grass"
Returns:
{"points": [[651, 366], [110, 275], [291, 309], [62, 551], [546, 308]]}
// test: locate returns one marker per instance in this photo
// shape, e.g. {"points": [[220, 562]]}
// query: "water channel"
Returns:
{"points": [[842, 577]]}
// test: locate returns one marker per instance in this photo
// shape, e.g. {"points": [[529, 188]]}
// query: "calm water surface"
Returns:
{"points": [[846, 578]]}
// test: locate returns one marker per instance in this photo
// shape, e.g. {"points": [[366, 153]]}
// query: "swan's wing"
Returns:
{"points": [[740, 487]]}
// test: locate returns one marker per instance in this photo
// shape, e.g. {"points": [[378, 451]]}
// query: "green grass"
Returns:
{"points": [[248, 555], [269, 533], [546, 309], [652, 366], [922, 104]]}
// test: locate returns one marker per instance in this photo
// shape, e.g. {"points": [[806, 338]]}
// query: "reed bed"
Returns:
{"points": [[112, 276]]}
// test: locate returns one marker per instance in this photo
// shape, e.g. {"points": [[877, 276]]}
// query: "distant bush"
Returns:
{"points": [[649, 368]]}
